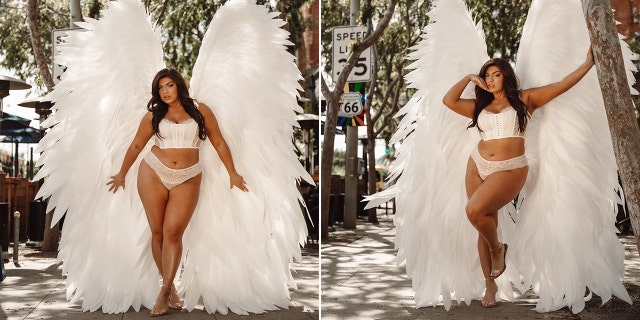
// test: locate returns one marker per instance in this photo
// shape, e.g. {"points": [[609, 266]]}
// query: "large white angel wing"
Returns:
{"points": [[240, 244], [566, 239], [434, 236], [98, 106]]}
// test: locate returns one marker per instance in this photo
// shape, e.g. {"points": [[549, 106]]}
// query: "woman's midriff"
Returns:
{"points": [[501, 149], [177, 158]]}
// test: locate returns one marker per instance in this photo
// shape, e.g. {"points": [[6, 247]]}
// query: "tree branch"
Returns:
{"points": [[36, 44], [332, 113], [162, 11]]}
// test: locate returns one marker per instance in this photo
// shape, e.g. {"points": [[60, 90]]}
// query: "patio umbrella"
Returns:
{"points": [[8, 83], [16, 129], [11, 121]]}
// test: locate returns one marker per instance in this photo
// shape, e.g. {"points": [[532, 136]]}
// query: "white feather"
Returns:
{"points": [[566, 239], [98, 106], [238, 246], [434, 236], [562, 238]]}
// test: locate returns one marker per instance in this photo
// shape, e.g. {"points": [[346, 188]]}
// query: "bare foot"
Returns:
{"points": [[498, 260], [174, 299], [162, 303], [489, 299]]}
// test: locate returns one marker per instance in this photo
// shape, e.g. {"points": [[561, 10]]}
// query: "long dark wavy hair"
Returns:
{"points": [[159, 108], [511, 89]]}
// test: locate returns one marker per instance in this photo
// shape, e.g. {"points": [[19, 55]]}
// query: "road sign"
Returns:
{"points": [[343, 40], [58, 39], [351, 104]]}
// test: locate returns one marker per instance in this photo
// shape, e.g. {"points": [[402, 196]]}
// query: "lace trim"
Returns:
{"points": [[171, 177], [487, 167]]}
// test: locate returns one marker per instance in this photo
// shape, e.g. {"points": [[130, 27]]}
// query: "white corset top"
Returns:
{"points": [[178, 135], [499, 125]]}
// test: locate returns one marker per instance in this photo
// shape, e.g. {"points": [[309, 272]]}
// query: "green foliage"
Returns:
{"points": [[402, 32], [502, 22], [334, 13], [296, 23], [183, 24], [15, 43]]}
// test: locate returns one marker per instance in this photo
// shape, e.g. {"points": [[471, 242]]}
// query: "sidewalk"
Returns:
{"points": [[36, 290], [360, 280]]}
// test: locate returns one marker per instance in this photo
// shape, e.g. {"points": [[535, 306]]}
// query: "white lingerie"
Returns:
{"points": [[503, 124], [487, 167], [183, 135], [491, 126], [171, 177], [178, 135]]}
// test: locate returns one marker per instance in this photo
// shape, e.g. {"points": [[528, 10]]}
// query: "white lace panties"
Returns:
{"points": [[487, 167], [171, 177]]}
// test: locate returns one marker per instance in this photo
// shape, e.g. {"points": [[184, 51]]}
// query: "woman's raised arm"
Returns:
{"points": [[537, 97], [452, 98]]}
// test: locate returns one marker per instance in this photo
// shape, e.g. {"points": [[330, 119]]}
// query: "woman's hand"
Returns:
{"points": [[238, 181], [478, 82], [115, 183], [590, 60]]}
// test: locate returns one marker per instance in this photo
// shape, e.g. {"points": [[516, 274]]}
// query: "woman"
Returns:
{"points": [[497, 168], [169, 176]]}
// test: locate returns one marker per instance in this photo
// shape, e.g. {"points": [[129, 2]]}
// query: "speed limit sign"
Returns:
{"points": [[343, 39], [351, 105]]}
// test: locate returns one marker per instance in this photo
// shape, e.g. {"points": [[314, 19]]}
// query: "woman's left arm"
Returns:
{"points": [[537, 97], [217, 140]]}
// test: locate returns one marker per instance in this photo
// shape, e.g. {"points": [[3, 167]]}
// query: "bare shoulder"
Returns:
{"points": [[205, 110], [147, 118]]}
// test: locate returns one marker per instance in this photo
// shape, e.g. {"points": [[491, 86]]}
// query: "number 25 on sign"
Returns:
{"points": [[343, 39]]}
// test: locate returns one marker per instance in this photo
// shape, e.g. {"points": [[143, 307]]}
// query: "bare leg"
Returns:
{"points": [[485, 199], [154, 198], [491, 288], [180, 207], [472, 182]]}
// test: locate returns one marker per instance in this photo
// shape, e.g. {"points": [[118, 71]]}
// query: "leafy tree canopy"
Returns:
{"points": [[183, 24]]}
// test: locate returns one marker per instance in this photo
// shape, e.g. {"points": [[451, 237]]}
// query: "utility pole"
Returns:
{"points": [[52, 233], [351, 161], [332, 97], [75, 14], [623, 124]]}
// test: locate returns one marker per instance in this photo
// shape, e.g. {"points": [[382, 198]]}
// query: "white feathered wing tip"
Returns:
{"points": [[566, 241], [434, 236], [98, 105], [240, 245]]}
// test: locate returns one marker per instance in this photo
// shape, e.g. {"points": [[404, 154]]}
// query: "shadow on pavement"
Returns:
{"points": [[360, 280]]}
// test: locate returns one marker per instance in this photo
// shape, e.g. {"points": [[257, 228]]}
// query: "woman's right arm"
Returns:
{"points": [[452, 99], [145, 132]]}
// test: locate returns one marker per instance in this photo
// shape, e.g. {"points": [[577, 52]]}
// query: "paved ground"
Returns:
{"points": [[36, 290], [360, 280]]}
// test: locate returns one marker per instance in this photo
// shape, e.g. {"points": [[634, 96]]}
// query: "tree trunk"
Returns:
{"points": [[617, 101], [371, 138], [326, 163], [36, 44], [332, 114], [51, 235]]}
